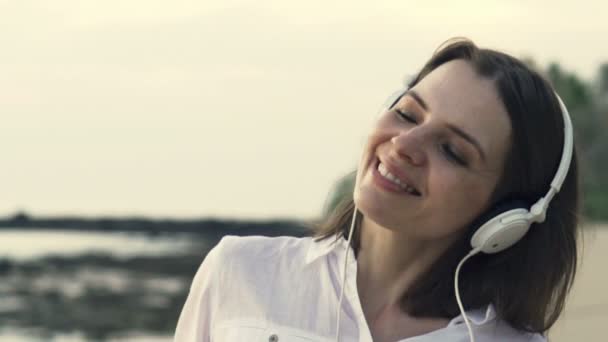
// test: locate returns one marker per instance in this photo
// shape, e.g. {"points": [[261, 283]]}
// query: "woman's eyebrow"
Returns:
{"points": [[418, 99], [457, 130]]}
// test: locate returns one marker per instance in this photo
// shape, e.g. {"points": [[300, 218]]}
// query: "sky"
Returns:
{"points": [[229, 108]]}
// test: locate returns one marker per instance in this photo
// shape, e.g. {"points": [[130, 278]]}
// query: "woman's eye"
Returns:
{"points": [[452, 155], [405, 116]]}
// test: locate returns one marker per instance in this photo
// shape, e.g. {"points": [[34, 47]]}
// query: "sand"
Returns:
{"points": [[586, 315]]}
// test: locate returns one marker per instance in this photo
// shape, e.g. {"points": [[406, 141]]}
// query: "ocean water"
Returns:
{"points": [[30, 244], [94, 286], [20, 335]]}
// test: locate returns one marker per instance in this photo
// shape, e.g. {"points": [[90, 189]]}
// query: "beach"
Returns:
{"points": [[586, 314]]}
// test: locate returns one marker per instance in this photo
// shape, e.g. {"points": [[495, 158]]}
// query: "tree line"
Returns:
{"points": [[587, 102]]}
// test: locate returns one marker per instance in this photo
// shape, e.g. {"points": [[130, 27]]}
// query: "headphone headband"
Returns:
{"points": [[567, 150], [538, 211]]}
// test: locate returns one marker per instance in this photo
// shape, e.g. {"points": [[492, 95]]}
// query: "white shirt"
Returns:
{"points": [[286, 289]]}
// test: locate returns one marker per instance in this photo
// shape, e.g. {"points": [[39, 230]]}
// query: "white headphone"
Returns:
{"points": [[508, 227], [508, 224], [504, 226]]}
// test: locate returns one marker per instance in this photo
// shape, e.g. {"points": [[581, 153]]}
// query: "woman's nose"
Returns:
{"points": [[410, 147]]}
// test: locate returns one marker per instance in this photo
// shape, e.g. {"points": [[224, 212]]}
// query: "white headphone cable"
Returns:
{"points": [[350, 235], [456, 289], [464, 315]]}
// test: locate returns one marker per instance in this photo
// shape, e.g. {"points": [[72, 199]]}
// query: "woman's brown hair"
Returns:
{"points": [[528, 283]]}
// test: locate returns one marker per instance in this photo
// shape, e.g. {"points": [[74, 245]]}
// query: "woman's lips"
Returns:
{"points": [[388, 185]]}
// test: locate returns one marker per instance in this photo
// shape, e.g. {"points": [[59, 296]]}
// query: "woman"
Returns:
{"points": [[475, 129]]}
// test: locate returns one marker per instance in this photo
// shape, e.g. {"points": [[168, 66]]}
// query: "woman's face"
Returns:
{"points": [[445, 141]]}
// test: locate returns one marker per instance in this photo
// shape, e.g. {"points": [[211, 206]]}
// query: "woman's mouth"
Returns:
{"points": [[387, 179]]}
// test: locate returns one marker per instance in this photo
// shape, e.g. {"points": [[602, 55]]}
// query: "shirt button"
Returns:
{"points": [[273, 338]]}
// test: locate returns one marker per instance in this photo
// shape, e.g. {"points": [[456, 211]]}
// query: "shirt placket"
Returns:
{"points": [[351, 293]]}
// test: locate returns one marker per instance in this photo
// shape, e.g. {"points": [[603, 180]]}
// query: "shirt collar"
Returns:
{"points": [[323, 247], [477, 317]]}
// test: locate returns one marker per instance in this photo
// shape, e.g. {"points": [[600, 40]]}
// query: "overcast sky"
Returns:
{"points": [[228, 108]]}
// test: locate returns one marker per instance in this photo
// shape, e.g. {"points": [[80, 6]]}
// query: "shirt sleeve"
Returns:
{"points": [[194, 322]]}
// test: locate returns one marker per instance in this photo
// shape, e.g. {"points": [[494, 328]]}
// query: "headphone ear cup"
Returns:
{"points": [[502, 227]]}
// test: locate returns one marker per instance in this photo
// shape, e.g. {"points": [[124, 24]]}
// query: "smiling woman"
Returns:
{"points": [[420, 142], [474, 134]]}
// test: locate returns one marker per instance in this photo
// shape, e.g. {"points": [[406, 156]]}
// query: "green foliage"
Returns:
{"points": [[596, 204], [603, 80], [588, 107], [342, 190]]}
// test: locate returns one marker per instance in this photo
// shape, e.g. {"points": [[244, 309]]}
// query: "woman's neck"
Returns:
{"points": [[388, 262]]}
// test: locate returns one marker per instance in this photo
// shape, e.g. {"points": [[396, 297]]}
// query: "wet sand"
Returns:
{"points": [[586, 315]]}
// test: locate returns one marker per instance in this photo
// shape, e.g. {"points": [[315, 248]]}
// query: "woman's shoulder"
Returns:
{"points": [[504, 332], [257, 265], [258, 252], [256, 246], [488, 326]]}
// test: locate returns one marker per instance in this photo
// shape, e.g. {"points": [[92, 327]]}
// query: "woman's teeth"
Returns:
{"points": [[392, 178]]}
